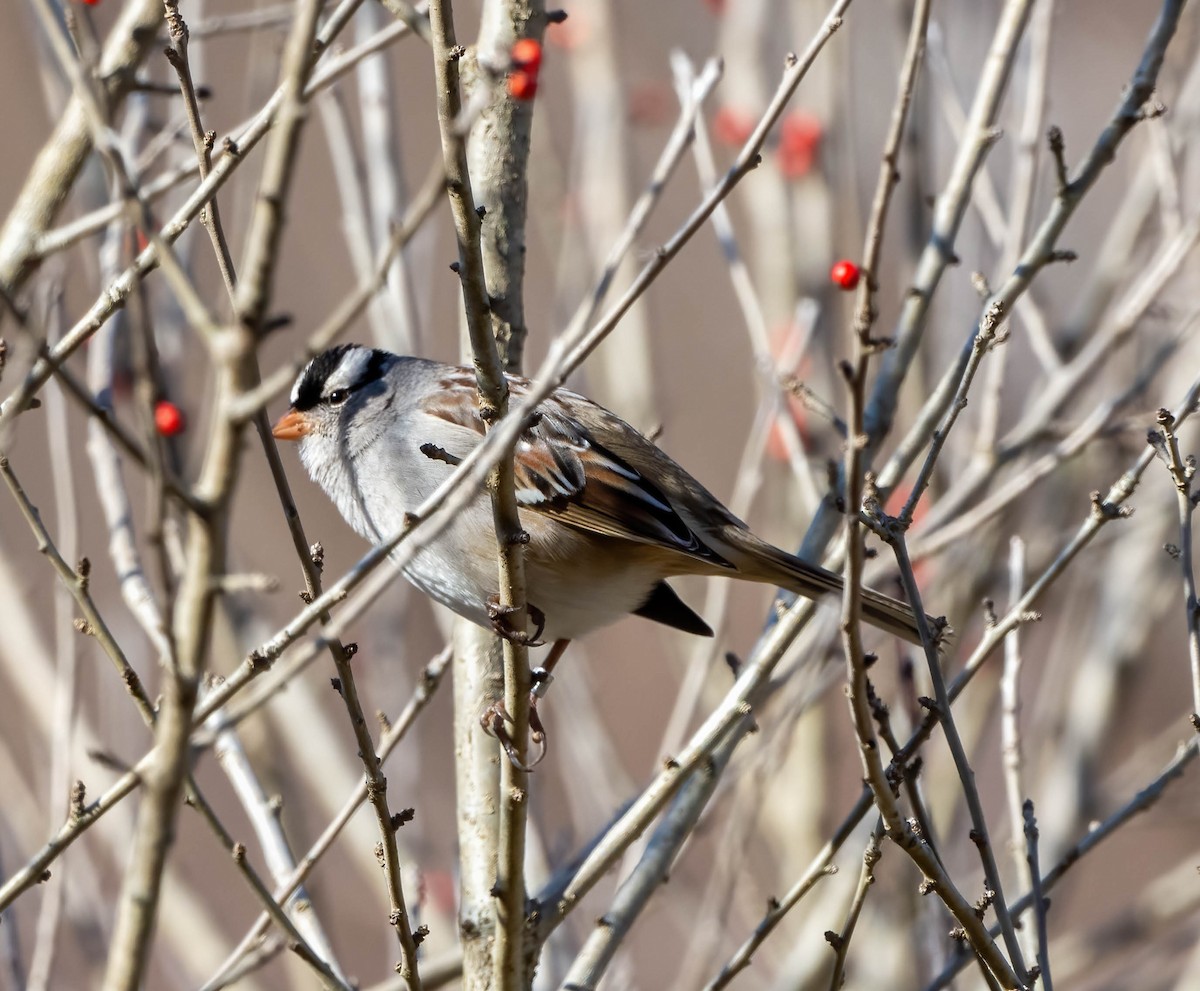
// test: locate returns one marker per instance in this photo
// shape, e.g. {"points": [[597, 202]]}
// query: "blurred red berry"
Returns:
{"points": [[844, 274], [527, 54], [168, 418], [439, 889], [895, 504], [89, 3], [716, 6], [650, 103], [522, 85], [732, 127], [799, 140]]}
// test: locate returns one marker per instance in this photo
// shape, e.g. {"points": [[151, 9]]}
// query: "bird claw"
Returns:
{"points": [[495, 720], [500, 613], [541, 681], [537, 732]]}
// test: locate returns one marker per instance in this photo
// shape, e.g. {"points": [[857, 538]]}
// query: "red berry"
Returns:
{"points": [[732, 127], [168, 418], [522, 84], [844, 274], [527, 54], [89, 3], [799, 139]]}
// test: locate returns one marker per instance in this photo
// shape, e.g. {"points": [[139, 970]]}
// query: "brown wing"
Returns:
{"points": [[562, 471]]}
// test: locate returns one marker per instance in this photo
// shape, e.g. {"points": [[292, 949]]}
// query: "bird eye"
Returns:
{"points": [[338, 396]]}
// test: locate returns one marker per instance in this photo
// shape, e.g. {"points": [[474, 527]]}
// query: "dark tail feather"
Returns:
{"points": [[895, 617], [665, 607], [813, 582]]}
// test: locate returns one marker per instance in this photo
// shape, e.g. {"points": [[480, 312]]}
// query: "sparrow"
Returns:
{"points": [[610, 516]]}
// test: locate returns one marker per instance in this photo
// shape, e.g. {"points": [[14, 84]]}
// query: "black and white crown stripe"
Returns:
{"points": [[347, 366]]}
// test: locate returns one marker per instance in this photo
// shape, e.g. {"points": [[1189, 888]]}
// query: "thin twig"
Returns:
{"points": [[76, 580], [779, 907], [940, 531], [376, 788], [583, 340], [664, 168], [49, 181], [297, 943], [948, 214], [235, 151], [509, 961], [204, 558], [286, 888], [1036, 256], [1002, 222], [350, 308], [1022, 188], [858, 688], [692, 91], [1010, 730], [865, 311], [1035, 892], [979, 831], [259, 661], [840, 941], [266, 819], [1182, 470], [1105, 508], [1140, 802], [210, 215], [243, 139], [647, 877], [65, 705]]}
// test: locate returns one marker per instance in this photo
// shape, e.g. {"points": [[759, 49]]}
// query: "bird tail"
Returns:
{"points": [[814, 582]]}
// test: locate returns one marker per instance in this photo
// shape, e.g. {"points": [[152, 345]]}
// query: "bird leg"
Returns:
{"points": [[500, 615], [495, 718], [542, 676]]}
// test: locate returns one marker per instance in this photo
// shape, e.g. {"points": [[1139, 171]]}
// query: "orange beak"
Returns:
{"points": [[291, 426]]}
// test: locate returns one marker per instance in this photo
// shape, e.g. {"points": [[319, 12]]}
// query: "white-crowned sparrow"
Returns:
{"points": [[609, 515]]}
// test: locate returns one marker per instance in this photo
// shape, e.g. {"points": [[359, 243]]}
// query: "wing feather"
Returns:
{"points": [[561, 470]]}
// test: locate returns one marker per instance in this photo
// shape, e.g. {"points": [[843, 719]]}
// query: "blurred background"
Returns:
{"points": [[1104, 685]]}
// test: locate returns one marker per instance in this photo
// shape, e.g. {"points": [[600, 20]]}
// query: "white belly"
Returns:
{"points": [[572, 594], [570, 579]]}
